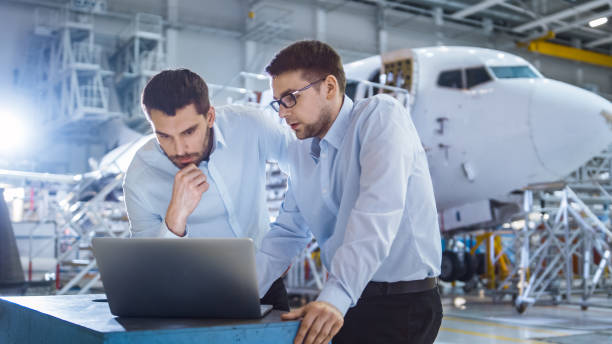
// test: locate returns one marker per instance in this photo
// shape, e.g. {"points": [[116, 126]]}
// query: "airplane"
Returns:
{"points": [[489, 121]]}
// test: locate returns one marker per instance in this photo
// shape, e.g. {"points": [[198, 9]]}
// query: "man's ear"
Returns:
{"points": [[330, 85], [210, 119]]}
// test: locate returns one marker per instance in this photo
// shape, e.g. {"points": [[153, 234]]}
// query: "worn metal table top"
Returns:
{"points": [[85, 319]]}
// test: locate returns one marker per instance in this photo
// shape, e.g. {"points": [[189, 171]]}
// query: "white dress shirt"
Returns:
{"points": [[364, 191], [235, 205]]}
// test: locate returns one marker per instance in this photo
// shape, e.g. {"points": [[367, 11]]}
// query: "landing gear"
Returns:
{"points": [[521, 307]]}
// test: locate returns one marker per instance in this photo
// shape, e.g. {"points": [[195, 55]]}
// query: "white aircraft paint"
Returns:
{"points": [[498, 136]]}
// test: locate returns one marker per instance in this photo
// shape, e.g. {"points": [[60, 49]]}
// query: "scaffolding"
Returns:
{"points": [[560, 242], [141, 55], [306, 275], [267, 22], [560, 252], [80, 207], [77, 79]]}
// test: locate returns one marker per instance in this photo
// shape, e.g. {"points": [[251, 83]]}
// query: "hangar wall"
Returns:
{"points": [[351, 28], [206, 36]]}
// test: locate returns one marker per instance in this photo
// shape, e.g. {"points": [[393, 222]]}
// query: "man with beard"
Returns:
{"points": [[204, 173], [359, 182]]}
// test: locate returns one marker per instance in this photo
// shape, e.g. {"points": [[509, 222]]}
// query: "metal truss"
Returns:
{"points": [[267, 23], [86, 220], [141, 56], [598, 169], [560, 252], [81, 207], [80, 80], [306, 276], [77, 79]]}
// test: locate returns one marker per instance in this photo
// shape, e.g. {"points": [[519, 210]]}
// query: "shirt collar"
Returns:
{"points": [[219, 138], [336, 132], [315, 149]]}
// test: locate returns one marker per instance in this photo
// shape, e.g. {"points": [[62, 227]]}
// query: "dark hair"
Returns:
{"points": [[171, 90], [316, 60]]}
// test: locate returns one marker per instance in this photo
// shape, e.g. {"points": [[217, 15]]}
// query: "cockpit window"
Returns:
{"points": [[511, 72], [476, 76], [450, 78]]}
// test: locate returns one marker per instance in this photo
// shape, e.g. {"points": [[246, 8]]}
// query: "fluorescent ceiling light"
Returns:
{"points": [[598, 21]]}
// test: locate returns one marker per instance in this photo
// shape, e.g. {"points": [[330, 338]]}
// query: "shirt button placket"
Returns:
{"points": [[324, 186]]}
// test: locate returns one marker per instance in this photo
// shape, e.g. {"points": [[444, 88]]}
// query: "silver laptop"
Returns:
{"points": [[194, 278]]}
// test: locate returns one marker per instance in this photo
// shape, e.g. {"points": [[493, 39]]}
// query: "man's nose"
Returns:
{"points": [[180, 147]]}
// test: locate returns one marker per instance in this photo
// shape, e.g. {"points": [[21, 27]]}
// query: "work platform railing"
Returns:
{"points": [[555, 249], [560, 252]]}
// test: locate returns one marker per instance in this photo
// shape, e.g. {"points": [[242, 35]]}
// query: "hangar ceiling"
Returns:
{"points": [[523, 21]]}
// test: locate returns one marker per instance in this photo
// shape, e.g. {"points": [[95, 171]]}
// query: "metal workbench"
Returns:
{"points": [[86, 319]]}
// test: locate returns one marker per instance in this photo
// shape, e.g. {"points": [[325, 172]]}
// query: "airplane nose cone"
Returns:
{"points": [[568, 125]]}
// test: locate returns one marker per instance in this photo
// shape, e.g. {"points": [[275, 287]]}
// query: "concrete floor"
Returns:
{"points": [[477, 320]]}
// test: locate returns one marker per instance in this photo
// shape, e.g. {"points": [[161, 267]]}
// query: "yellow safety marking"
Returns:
{"points": [[492, 336], [514, 327]]}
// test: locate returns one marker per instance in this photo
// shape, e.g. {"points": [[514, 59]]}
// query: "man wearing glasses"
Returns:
{"points": [[359, 182], [204, 174]]}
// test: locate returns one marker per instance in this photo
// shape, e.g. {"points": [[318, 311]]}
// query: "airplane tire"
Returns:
{"points": [[450, 266], [469, 266], [480, 263], [521, 307]]}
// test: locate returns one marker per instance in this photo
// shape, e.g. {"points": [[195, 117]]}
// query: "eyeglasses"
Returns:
{"points": [[289, 100]]}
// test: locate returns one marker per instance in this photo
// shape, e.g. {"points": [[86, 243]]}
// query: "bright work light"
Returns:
{"points": [[12, 132], [598, 22]]}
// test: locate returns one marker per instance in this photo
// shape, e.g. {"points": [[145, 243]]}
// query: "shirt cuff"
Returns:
{"points": [[334, 294], [167, 233]]}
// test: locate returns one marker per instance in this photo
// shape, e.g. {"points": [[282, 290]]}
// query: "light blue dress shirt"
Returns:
{"points": [[364, 191], [235, 204]]}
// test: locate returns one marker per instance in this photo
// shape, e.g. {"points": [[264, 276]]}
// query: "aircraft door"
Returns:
{"points": [[397, 72]]}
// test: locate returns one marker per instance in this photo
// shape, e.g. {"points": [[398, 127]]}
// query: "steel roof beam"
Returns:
{"points": [[582, 21], [450, 4], [562, 14], [598, 42], [518, 9], [475, 8], [562, 24]]}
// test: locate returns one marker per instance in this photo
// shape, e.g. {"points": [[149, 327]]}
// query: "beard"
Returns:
{"points": [[318, 128], [193, 158]]}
